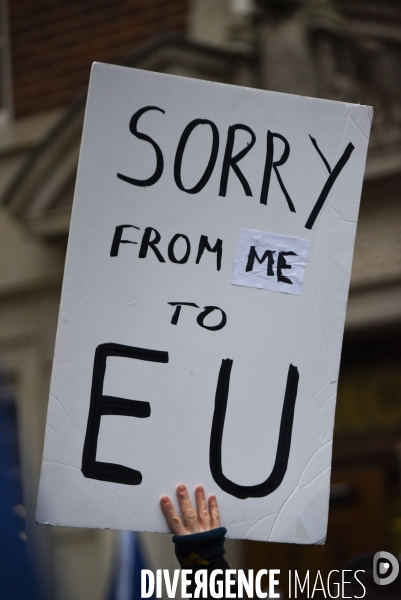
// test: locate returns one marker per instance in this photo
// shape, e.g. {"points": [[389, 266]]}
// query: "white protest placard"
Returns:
{"points": [[203, 305]]}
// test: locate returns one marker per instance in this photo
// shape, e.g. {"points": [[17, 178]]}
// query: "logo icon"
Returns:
{"points": [[385, 568]]}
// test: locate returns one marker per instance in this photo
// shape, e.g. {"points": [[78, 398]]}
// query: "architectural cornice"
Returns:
{"points": [[41, 192]]}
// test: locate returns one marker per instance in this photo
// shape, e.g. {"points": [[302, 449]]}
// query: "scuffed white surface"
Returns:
{"points": [[125, 300], [258, 276]]}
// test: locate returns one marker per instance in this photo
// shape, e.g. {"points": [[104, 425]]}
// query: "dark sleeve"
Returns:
{"points": [[203, 550]]}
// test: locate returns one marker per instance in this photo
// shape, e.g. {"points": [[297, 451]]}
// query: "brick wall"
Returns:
{"points": [[54, 42]]}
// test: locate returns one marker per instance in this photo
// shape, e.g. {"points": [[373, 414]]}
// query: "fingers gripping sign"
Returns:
{"points": [[214, 510], [204, 518], [199, 543]]}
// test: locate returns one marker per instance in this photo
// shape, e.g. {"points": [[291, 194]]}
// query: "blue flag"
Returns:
{"points": [[126, 580], [17, 578]]}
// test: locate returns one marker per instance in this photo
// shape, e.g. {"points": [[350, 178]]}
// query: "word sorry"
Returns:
{"points": [[230, 162]]}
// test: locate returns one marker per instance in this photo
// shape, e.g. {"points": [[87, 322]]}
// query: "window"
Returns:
{"points": [[5, 72]]}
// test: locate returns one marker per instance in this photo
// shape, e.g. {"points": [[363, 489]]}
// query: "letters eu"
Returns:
{"points": [[100, 405], [275, 158]]}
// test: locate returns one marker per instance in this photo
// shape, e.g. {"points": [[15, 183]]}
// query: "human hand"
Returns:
{"points": [[194, 522]]}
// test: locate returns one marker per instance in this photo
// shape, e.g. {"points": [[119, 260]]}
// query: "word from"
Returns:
{"points": [[217, 584], [230, 162], [151, 237], [201, 317], [101, 404], [336, 585], [281, 263]]}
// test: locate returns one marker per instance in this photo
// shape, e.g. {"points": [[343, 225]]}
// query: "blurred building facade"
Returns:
{"points": [[348, 50]]}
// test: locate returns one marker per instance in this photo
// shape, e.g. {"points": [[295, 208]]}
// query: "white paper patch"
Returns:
{"points": [[270, 261]]}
